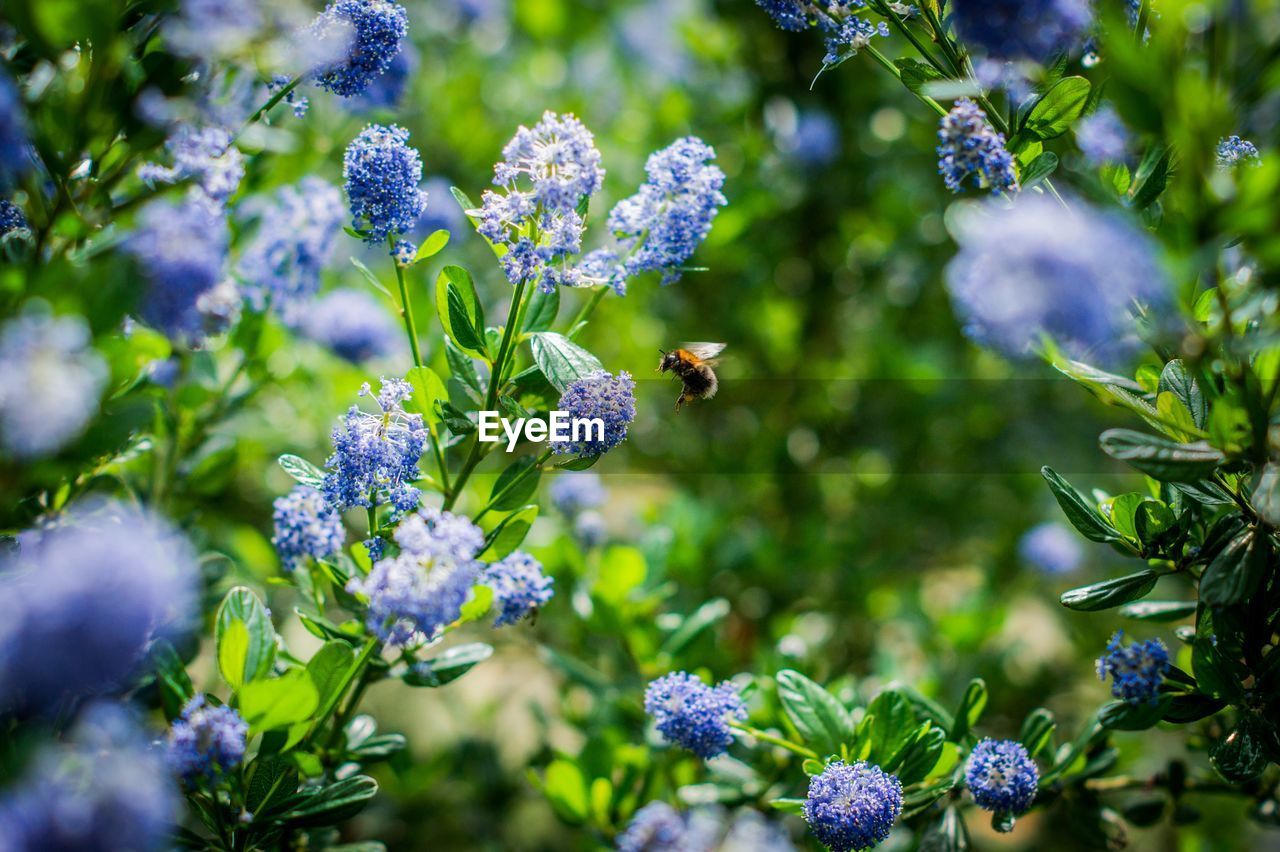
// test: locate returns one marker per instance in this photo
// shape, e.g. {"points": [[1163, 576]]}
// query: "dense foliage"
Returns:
{"points": [[266, 269]]}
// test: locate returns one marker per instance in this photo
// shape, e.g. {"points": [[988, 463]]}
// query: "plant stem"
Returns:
{"points": [[588, 308], [356, 670], [491, 396], [893, 69], [266, 107], [774, 739], [911, 37]]}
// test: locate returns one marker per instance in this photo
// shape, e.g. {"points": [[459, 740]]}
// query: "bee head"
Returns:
{"points": [[669, 361]]}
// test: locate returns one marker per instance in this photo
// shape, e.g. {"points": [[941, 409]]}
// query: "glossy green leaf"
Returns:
{"points": [[823, 722], [509, 534], [970, 710], [244, 637], [432, 246], [427, 389], [1083, 516], [279, 702], [1160, 458], [541, 313], [459, 309], [1159, 610], [1237, 571], [515, 485], [328, 667], [561, 360], [1060, 106], [566, 788], [332, 804], [449, 665], [1110, 593], [1037, 731], [1038, 169], [302, 470]]}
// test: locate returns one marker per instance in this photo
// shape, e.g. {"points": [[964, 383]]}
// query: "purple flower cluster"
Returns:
{"points": [[373, 30], [11, 218], [1052, 548], [421, 590], [1021, 274], [1102, 137], [80, 603], [104, 790], [574, 493], [660, 227], [1234, 151], [606, 397], [1035, 30], [1001, 776], [182, 249], [852, 806], [658, 827], [969, 148], [387, 90], [204, 155], [693, 715], [382, 174], [15, 147], [206, 740], [519, 587], [1136, 671], [846, 32], [546, 172], [305, 526], [375, 456], [354, 324], [50, 382], [296, 229]]}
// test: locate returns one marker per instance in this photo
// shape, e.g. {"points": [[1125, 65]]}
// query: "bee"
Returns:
{"points": [[693, 363]]}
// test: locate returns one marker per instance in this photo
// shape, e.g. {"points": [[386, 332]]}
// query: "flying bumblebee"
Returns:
{"points": [[694, 364]]}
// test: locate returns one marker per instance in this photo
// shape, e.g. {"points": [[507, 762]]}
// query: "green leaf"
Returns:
{"points": [[895, 724], [1037, 731], [381, 747], [432, 246], [1039, 169], [566, 788], [370, 277], [279, 702], [332, 804], [702, 619], [269, 780], [1123, 716], [1159, 610], [427, 388], [462, 368], [1061, 105], [1266, 494], [541, 313], [328, 668], [946, 834], [1176, 379], [1214, 674], [1160, 458], [971, 707], [916, 75], [171, 678], [1110, 593], [1240, 756], [823, 722], [579, 463], [623, 569], [917, 759], [788, 806], [244, 637], [509, 534], [561, 360], [459, 309], [477, 605], [301, 470], [1151, 178], [1083, 515], [448, 666], [515, 485], [1237, 571]]}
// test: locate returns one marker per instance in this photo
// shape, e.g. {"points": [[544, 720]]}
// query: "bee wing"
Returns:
{"points": [[704, 351]]}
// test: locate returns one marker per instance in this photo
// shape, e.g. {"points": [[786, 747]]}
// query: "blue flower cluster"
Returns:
{"points": [[421, 590], [354, 324], [599, 395], [846, 32], [1020, 274], [1001, 776], [80, 603], [305, 526], [969, 148], [660, 227], [105, 790], [519, 587], [546, 172], [403, 253], [1136, 671], [15, 147], [574, 493], [1052, 548], [852, 806], [373, 28], [382, 174], [182, 249], [204, 155], [213, 29], [1035, 30], [1234, 151], [11, 218], [375, 456], [281, 266], [658, 827], [386, 91], [1102, 137], [693, 715], [50, 382], [206, 741]]}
